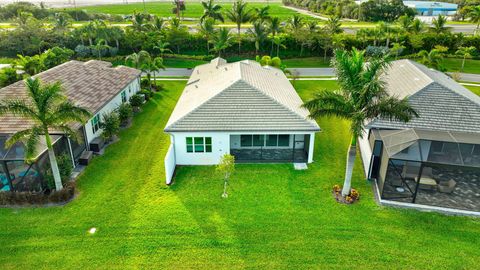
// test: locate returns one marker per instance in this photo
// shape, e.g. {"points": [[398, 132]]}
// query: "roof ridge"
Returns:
{"points": [[199, 105], [281, 104]]}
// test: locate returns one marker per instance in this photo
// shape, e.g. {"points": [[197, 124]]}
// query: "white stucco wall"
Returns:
{"points": [[365, 151], [221, 144], [130, 90], [170, 163]]}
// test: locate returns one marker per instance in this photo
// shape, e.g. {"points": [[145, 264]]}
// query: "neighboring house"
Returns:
{"points": [[434, 159], [432, 8], [94, 85], [242, 109]]}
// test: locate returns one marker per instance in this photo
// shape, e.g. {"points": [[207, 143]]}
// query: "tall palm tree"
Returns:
{"points": [[278, 40], [211, 10], [295, 23], [239, 14], [438, 25], [361, 97], [48, 109], [207, 30], [116, 33], [151, 66], [162, 47], [136, 60], [100, 46], [465, 52], [221, 40], [262, 14], [333, 25], [474, 16], [417, 26], [274, 27], [259, 34], [61, 21]]}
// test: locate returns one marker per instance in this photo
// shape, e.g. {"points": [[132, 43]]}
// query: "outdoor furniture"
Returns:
{"points": [[85, 158], [447, 186], [410, 172], [97, 144], [427, 182]]}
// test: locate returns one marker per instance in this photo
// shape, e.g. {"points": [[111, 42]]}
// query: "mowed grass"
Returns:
{"points": [[193, 10], [455, 65], [274, 218], [474, 89]]}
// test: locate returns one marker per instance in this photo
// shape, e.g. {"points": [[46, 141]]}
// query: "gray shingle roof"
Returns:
{"points": [[89, 84], [442, 103], [241, 96]]}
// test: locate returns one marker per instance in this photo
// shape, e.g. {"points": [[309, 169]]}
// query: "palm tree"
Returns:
{"points": [[274, 27], [150, 66], [211, 10], [417, 26], [397, 48], [386, 30], [262, 14], [116, 33], [405, 22], [158, 23], [48, 109], [136, 60], [474, 16], [100, 47], [259, 34], [207, 30], [221, 40], [61, 21], [162, 47], [438, 25], [239, 14], [465, 52], [277, 40], [362, 96], [295, 23], [333, 25], [30, 64], [434, 58]]}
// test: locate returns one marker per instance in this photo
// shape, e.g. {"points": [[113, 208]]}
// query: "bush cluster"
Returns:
{"points": [[36, 198]]}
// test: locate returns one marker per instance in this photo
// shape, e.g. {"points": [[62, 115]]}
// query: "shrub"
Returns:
{"points": [[125, 112], [145, 83], [82, 50], [23, 198], [64, 163], [110, 125], [148, 94], [136, 100]]}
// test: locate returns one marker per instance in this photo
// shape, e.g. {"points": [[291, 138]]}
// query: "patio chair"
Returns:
{"points": [[410, 172], [447, 186]]}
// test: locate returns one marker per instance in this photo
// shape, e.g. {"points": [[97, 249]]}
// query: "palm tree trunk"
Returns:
{"points": [[463, 63], [352, 153], [118, 44], [239, 39], [53, 164]]}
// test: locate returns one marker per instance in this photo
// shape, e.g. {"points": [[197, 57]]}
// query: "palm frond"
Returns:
{"points": [[18, 108], [67, 131], [68, 112], [29, 137], [327, 103], [391, 108]]}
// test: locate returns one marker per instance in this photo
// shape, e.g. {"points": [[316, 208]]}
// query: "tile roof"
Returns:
{"points": [[239, 96], [442, 103], [89, 84]]}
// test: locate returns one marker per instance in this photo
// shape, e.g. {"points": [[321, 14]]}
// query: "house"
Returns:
{"points": [[433, 160], [432, 8], [94, 85], [243, 109]]}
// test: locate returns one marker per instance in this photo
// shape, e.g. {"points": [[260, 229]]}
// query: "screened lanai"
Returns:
{"points": [[16, 174], [437, 168]]}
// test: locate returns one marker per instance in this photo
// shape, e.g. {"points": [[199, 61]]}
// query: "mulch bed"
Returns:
{"points": [[350, 199]]}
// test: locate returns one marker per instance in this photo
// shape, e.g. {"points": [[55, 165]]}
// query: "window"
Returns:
{"points": [[199, 144], [283, 140], [124, 96], [258, 140], [272, 140], [246, 140], [437, 147], [95, 123]]}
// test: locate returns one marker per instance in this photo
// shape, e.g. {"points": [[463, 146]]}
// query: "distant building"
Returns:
{"points": [[427, 8]]}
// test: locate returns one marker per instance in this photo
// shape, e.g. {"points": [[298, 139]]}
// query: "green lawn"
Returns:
{"points": [[455, 64], [306, 62], [275, 217], [474, 89], [182, 63], [193, 10]]}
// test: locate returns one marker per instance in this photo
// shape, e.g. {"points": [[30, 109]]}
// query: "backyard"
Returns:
{"points": [[274, 218]]}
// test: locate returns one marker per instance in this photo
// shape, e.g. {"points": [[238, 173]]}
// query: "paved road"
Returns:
{"points": [[301, 72]]}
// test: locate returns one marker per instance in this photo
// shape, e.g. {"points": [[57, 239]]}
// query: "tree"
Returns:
{"points": [[434, 58], [417, 26], [278, 40], [405, 22], [397, 49], [438, 25], [207, 30], [226, 167], [179, 5], [152, 65], [136, 60], [274, 27], [61, 21], [100, 47], [110, 125], [56, 56], [474, 16], [30, 64], [162, 47], [221, 40], [116, 33], [261, 14], [8, 76], [177, 34], [465, 52], [239, 14], [259, 34], [48, 109], [333, 25], [211, 10], [362, 96]]}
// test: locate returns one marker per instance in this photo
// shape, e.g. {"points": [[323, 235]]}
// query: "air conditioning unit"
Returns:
{"points": [[97, 144]]}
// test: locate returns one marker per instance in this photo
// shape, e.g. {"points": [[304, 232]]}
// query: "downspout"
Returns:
{"points": [[71, 151]]}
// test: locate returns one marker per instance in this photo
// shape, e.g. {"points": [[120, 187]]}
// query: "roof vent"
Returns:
{"points": [[196, 86], [416, 79], [226, 69], [402, 65]]}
